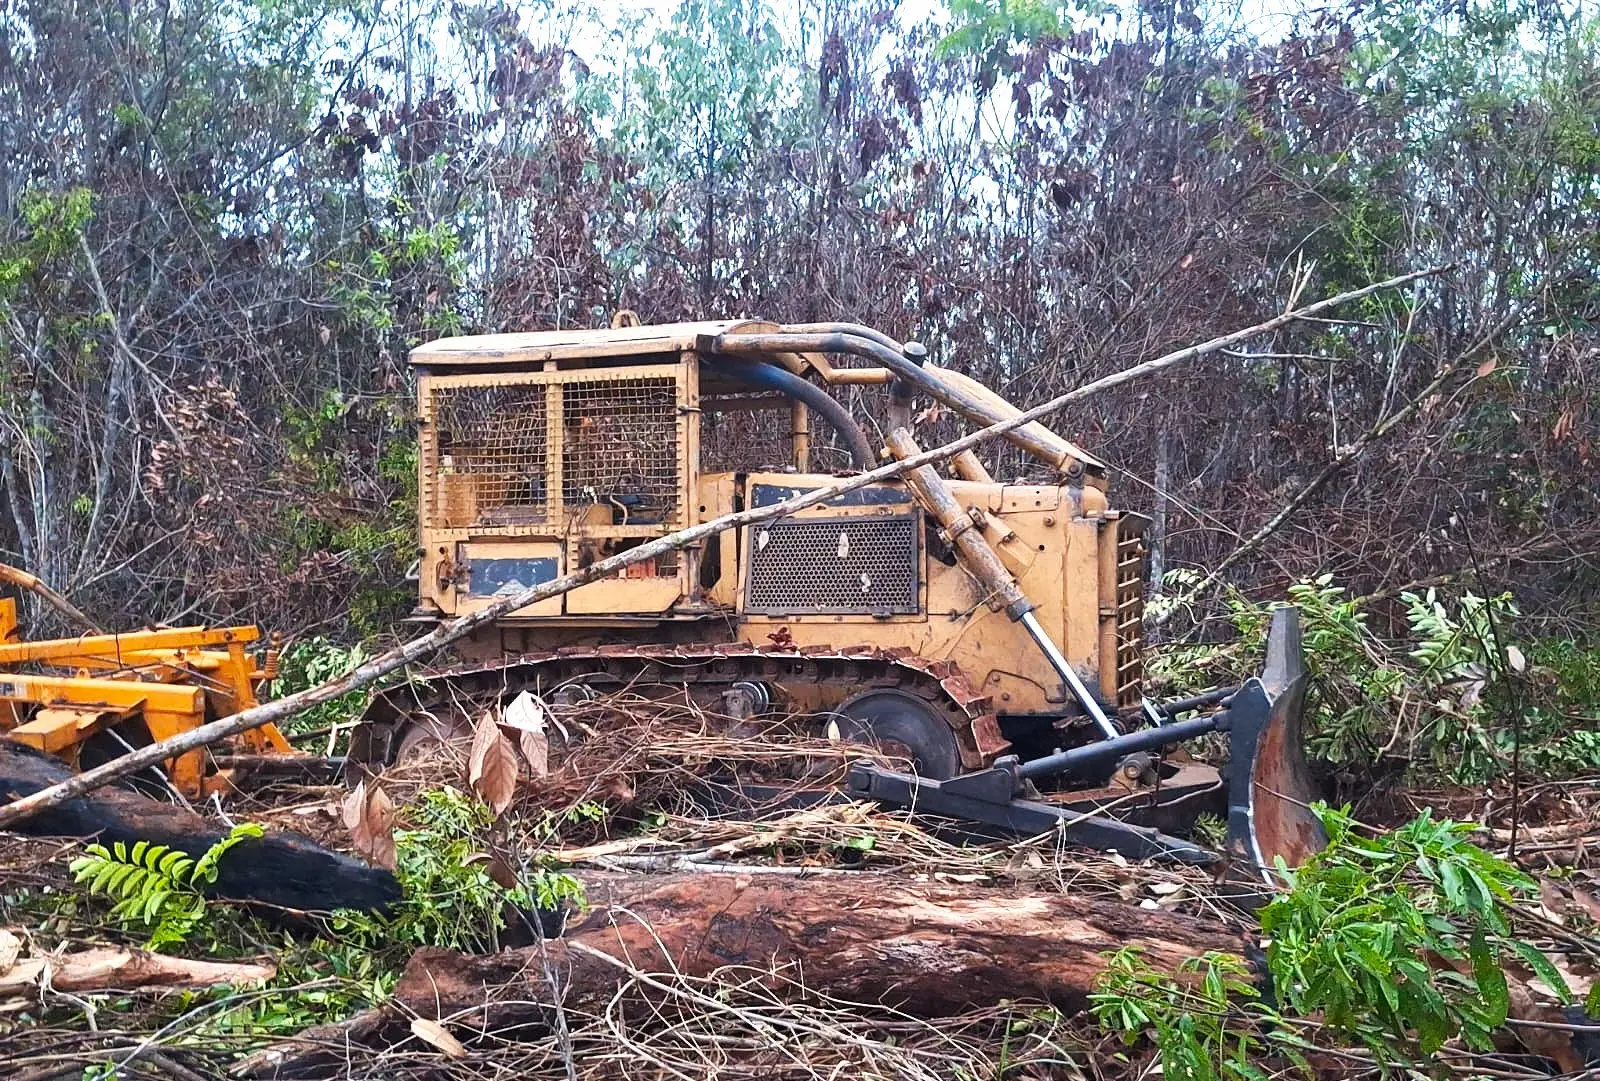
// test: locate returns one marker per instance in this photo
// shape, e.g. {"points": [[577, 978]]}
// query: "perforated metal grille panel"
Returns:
{"points": [[620, 446], [841, 566], [1130, 613], [493, 439]]}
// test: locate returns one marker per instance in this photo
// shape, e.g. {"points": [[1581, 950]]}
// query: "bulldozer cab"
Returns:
{"points": [[544, 452]]}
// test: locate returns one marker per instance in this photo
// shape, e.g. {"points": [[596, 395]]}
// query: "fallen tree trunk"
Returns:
{"points": [[109, 969], [427, 644], [929, 949], [284, 871]]}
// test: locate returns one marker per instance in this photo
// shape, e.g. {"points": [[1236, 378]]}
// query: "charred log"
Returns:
{"points": [[279, 871]]}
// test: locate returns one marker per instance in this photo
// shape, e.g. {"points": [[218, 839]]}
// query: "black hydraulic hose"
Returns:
{"points": [[772, 377], [1218, 697], [904, 369]]}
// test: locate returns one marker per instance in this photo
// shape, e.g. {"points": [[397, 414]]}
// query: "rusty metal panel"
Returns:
{"points": [[835, 565]]}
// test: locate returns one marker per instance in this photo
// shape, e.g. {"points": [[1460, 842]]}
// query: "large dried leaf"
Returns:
{"points": [[536, 749], [502, 873], [380, 817], [369, 815], [527, 715], [354, 806], [1564, 424], [435, 1034], [10, 950], [492, 766], [1552, 904]]}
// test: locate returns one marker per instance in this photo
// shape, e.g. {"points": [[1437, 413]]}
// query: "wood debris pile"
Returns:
{"points": [[768, 938]]}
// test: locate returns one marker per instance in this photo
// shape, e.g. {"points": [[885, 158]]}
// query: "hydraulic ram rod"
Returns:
{"points": [[1145, 739], [974, 551], [1080, 690]]}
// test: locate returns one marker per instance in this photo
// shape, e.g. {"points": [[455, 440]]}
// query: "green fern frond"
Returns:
{"points": [[153, 884]]}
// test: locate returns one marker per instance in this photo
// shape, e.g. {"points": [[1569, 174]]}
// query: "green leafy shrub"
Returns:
{"points": [[154, 885], [1397, 942], [318, 981], [1192, 1018], [1440, 695], [451, 899], [309, 663]]}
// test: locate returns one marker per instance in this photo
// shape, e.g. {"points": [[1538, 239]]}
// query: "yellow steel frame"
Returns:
{"points": [[97, 649], [166, 678]]}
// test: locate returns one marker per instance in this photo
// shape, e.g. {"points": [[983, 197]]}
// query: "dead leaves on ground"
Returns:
{"points": [[1573, 901]]}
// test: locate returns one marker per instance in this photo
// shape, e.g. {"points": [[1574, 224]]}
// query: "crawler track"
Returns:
{"points": [[611, 668]]}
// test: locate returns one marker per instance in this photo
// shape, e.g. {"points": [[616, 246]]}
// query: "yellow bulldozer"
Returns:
{"points": [[987, 631]]}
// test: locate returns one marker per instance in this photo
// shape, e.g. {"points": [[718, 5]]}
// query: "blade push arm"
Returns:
{"points": [[974, 551]]}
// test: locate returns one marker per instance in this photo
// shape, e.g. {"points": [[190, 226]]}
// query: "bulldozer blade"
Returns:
{"points": [[1270, 790]]}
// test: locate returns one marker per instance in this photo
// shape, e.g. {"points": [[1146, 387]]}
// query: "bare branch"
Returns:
{"points": [[1333, 468]]}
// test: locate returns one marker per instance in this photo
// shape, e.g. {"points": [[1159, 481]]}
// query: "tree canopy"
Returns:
{"points": [[223, 223]]}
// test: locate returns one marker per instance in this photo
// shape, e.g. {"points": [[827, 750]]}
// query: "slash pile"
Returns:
{"points": [[726, 934]]}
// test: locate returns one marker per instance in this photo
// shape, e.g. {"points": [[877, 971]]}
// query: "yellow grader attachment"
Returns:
{"points": [[92, 698]]}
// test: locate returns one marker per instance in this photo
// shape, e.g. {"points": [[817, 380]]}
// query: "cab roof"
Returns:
{"points": [[534, 347]]}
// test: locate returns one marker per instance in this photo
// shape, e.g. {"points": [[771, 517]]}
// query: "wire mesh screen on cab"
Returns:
{"points": [[494, 439], [619, 445], [619, 449]]}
